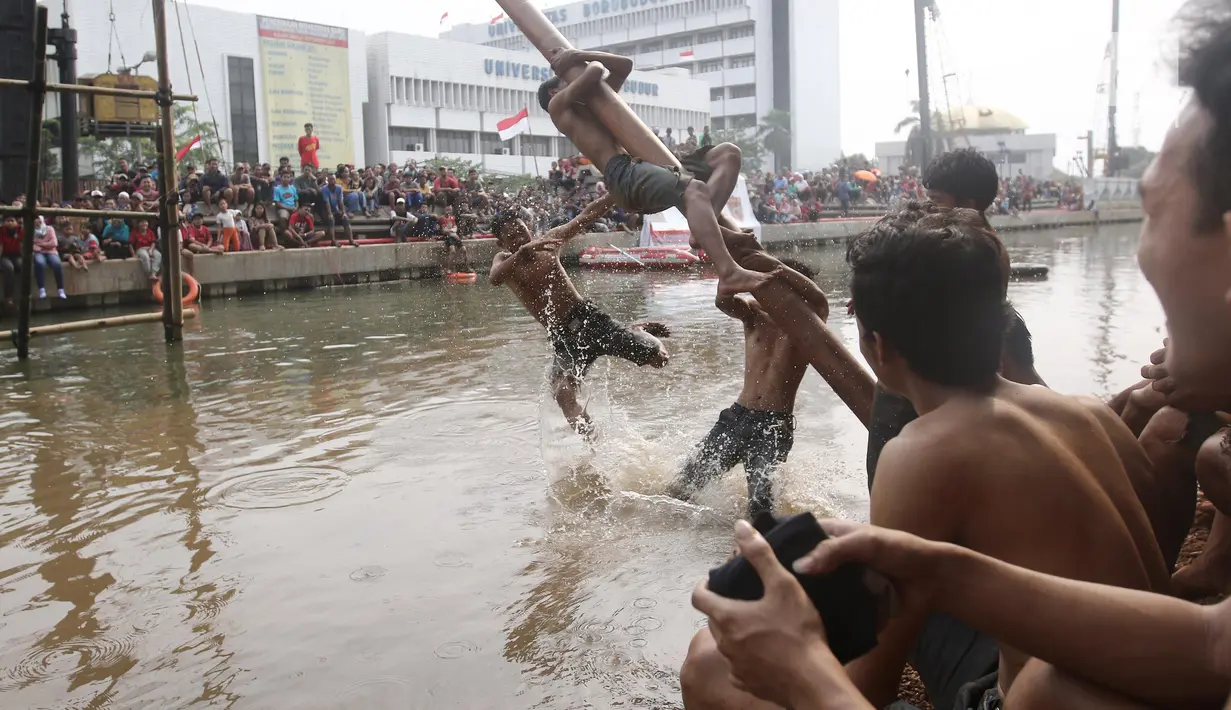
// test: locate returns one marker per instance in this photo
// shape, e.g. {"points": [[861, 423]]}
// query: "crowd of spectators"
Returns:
{"points": [[267, 207], [787, 197]]}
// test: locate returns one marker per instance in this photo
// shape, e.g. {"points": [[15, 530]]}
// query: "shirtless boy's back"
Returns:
{"points": [[580, 333], [758, 430]]}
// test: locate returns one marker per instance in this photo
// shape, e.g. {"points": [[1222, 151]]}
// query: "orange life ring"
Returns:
{"points": [[194, 290], [462, 277]]}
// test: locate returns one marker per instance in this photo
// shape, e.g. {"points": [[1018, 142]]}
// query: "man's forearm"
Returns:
{"points": [[1153, 648], [826, 353]]}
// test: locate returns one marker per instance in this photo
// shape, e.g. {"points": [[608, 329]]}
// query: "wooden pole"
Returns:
{"points": [[70, 212], [38, 93], [925, 104], [168, 209], [606, 105], [97, 323]]}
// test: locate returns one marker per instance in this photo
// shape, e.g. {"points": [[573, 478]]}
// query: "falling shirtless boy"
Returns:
{"points": [[580, 333], [640, 186], [758, 429]]}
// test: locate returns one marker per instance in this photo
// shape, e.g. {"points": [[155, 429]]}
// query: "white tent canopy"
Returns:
{"points": [[671, 229]]}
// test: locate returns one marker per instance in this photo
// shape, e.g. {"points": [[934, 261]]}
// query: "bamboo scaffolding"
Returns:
{"points": [[96, 324]]}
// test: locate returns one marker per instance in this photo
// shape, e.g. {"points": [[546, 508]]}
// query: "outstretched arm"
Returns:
{"points": [[578, 224], [807, 290]]}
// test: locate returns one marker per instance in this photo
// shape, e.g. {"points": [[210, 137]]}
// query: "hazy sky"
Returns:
{"points": [[1041, 60]]}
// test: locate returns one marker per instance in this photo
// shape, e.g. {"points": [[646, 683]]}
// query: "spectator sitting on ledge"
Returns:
{"points": [[11, 237], [215, 185], [286, 197], [196, 236], [115, 240], [144, 243]]}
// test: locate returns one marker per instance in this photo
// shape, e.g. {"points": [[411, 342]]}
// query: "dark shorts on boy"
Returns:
{"points": [[586, 334], [758, 439], [644, 187], [452, 241]]}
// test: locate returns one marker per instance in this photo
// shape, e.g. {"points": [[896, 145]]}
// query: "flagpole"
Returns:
{"points": [[535, 154]]}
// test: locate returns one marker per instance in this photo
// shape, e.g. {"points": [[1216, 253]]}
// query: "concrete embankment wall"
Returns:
{"points": [[221, 275]]}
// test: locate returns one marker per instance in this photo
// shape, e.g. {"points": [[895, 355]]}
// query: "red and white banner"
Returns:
{"points": [[192, 145], [686, 53], [443, 18], [514, 125], [498, 18]]}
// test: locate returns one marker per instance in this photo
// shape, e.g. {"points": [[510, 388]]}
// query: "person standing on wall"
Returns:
{"points": [[308, 146]]}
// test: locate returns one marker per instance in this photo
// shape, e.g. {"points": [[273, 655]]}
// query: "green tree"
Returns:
{"points": [[914, 140], [774, 133], [750, 146], [858, 161], [1135, 160], [108, 152]]}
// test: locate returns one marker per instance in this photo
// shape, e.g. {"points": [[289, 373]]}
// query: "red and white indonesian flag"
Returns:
{"points": [[192, 144], [686, 53], [514, 125], [498, 19], [443, 18]]}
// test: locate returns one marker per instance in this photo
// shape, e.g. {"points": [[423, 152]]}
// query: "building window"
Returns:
{"points": [[401, 138], [716, 94], [746, 60], [454, 142], [709, 37], [244, 143], [535, 145], [743, 91], [711, 66], [677, 42], [652, 47], [491, 144], [741, 31]]}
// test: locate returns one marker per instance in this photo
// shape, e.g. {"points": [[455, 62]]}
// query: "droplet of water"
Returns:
{"points": [[644, 603], [453, 650], [369, 572], [279, 488], [451, 560]]}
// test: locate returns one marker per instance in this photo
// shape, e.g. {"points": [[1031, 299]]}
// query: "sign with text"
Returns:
{"points": [[306, 70]]}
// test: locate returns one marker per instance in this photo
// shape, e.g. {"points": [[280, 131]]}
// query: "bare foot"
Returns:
{"points": [[1210, 574], [741, 280]]}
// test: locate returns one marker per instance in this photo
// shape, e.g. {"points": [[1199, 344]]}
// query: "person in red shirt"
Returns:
{"points": [[303, 228], [448, 186], [11, 236], [196, 237], [308, 145], [144, 243]]}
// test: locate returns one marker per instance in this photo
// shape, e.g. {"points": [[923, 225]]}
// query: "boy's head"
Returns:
{"points": [[307, 129], [198, 219], [801, 267], [142, 225], [548, 89], [929, 289], [286, 179], [304, 208], [449, 211], [222, 203], [962, 178], [10, 222], [509, 230]]}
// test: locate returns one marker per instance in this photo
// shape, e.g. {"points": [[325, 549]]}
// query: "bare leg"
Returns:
{"points": [[1041, 687], [350, 233], [1210, 574], [732, 278], [564, 388], [725, 160], [1174, 498], [705, 680]]}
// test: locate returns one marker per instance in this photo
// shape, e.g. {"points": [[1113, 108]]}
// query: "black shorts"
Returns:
{"points": [[452, 241], [644, 187], [586, 334], [760, 440], [694, 164]]}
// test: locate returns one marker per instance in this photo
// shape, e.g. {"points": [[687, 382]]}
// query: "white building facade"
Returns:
{"points": [[754, 56], [232, 74], [435, 97]]}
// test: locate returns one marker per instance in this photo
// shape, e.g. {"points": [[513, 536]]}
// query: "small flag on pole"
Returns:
{"points": [[686, 53], [514, 125], [443, 18], [497, 18], [192, 144]]}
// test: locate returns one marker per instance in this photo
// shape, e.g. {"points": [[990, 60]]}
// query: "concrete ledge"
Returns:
{"points": [[223, 275]]}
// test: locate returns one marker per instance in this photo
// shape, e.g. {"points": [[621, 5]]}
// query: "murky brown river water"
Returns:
{"points": [[361, 498]]}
